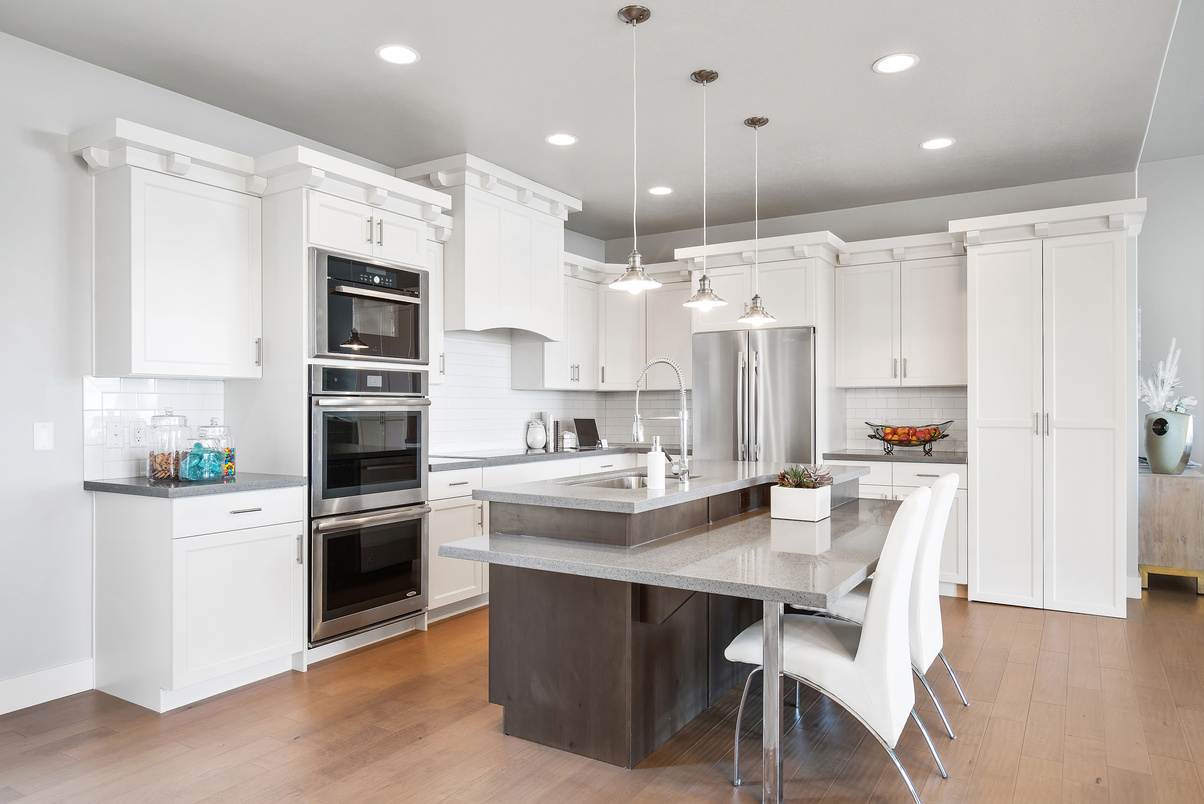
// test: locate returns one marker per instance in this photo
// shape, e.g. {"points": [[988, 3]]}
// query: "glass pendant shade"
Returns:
{"points": [[634, 279], [354, 342], [757, 315], [705, 299]]}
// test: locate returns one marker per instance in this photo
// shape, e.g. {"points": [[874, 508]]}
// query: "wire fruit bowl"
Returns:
{"points": [[893, 436]]}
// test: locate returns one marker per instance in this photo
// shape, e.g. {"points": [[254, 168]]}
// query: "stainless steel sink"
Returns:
{"points": [[624, 480]]}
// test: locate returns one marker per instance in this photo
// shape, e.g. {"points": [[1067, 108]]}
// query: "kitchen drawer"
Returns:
{"points": [[880, 474], [872, 492], [530, 472], [453, 483], [924, 474], [191, 516], [607, 463]]}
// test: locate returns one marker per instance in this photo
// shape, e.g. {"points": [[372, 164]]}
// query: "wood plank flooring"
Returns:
{"points": [[1064, 708]]}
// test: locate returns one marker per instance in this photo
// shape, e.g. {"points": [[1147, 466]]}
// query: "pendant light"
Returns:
{"points": [[705, 299], [354, 342], [634, 279], [757, 315]]}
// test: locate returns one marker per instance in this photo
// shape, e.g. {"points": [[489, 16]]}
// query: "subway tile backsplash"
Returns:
{"points": [[130, 400], [908, 406]]}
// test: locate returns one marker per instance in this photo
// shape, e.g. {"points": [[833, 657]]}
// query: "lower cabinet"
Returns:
{"points": [[453, 579], [199, 595]]}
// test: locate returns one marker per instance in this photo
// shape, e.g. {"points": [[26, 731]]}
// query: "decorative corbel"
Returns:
{"points": [[431, 212], [1041, 229], [802, 252], [377, 196], [525, 196], [898, 253], [255, 185], [973, 238], [442, 233], [748, 256], [1116, 221], [438, 178], [843, 258], [178, 164], [488, 181], [96, 158]]}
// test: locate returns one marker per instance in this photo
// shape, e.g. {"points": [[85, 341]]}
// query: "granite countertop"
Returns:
{"points": [[713, 477], [243, 481], [507, 457], [750, 556], [902, 455]]}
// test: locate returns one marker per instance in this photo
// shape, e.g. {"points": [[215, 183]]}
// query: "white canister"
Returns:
{"points": [[656, 466], [537, 436]]}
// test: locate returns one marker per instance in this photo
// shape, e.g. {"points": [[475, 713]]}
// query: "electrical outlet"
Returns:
{"points": [[113, 434], [137, 434]]}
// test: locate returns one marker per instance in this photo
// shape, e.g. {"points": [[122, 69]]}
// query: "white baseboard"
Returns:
{"points": [[45, 685], [332, 649], [451, 610], [1134, 587]]}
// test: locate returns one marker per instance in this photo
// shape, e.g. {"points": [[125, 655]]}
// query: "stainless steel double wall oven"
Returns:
{"points": [[369, 447]]}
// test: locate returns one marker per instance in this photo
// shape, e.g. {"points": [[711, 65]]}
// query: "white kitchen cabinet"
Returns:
{"points": [[177, 277], [1050, 400], [591, 464], [570, 364], [434, 267], [621, 338], [669, 334], [901, 323], [354, 228], [787, 287], [451, 579], [181, 615]]}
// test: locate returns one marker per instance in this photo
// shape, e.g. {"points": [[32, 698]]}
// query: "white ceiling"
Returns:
{"points": [[1033, 90], [1177, 124]]}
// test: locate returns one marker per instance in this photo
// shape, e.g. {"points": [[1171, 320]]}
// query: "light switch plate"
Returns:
{"points": [[113, 434], [43, 435]]}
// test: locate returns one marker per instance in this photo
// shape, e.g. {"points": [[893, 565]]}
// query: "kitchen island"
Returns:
{"points": [[607, 650]]}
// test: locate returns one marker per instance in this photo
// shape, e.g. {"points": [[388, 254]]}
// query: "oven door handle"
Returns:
{"points": [[379, 519], [369, 402], [388, 295]]}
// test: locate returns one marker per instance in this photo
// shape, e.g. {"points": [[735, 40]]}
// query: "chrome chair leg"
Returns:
{"points": [[797, 692], [739, 717], [953, 676], [939, 710], [940, 765], [902, 772]]}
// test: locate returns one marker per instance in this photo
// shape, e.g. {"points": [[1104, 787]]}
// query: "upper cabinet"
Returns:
{"points": [[669, 334], [503, 261], [570, 364], [901, 322], [622, 337], [354, 228]]}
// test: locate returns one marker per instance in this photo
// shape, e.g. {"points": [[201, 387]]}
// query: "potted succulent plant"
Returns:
{"points": [[803, 493]]}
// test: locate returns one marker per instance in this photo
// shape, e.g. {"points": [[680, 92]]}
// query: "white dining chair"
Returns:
{"points": [[864, 668], [927, 635]]}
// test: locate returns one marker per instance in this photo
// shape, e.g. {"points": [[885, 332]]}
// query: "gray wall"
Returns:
{"points": [[584, 245], [891, 220], [1170, 272], [45, 322]]}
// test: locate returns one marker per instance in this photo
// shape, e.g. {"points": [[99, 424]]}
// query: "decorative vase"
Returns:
{"points": [[807, 505], [1168, 438]]}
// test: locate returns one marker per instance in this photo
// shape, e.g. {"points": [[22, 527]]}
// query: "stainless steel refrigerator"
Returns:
{"points": [[754, 395]]}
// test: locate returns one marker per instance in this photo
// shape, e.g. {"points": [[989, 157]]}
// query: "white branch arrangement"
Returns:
{"points": [[1157, 392]]}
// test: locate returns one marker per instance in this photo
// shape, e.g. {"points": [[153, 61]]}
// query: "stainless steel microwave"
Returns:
{"points": [[369, 310]]}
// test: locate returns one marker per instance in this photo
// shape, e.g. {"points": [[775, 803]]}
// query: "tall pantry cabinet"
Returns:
{"points": [[1052, 406]]}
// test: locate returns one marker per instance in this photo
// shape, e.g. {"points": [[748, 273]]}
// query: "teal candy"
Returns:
{"points": [[201, 464], [1168, 441]]}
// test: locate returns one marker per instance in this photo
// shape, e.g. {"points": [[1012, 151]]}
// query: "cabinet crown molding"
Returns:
{"points": [[99, 144], [898, 249], [1127, 214], [466, 170], [377, 186], [823, 245]]}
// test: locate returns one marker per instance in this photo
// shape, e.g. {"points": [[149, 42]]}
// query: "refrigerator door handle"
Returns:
{"points": [[754, 402], [740, 440]]}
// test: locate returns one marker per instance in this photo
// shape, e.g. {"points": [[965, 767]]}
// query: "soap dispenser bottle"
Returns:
{"points": [[656, 465]]}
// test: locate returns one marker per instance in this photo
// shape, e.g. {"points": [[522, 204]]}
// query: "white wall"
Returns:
{"points": [[919, 216], [1170, 272], [45, 322]]}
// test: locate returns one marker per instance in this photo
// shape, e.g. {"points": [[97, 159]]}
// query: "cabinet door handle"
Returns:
{"points": [[246, 510], [259, 351], [1046, 424], [442, 363], [459, 483], [380, 231], [299, 561], [1036, 424], [905, 368], [371, 218], [894, 369], [604, 375]]}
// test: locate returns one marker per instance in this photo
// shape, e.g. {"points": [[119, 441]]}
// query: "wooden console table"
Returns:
{"points": [[1170, 530]]}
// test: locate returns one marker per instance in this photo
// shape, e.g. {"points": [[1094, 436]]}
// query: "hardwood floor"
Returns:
{"points": [[1064, 708]]}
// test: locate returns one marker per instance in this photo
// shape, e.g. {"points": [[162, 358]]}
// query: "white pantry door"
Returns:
{"points": [[1006, 553]]}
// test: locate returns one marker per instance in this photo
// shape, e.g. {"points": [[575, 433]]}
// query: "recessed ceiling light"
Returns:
{"points": [[896, 63], [937, 143], [660, 190], [397, 54], [561, 139]]}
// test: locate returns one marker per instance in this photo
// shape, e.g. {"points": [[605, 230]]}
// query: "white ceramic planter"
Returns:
{"points": [[807, 505]]}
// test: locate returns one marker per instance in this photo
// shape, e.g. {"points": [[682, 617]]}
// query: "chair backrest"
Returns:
{"points": [[883, 654], [927, 635]]}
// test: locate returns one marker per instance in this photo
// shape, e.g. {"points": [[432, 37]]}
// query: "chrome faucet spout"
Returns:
{"points": [[683, 415]]}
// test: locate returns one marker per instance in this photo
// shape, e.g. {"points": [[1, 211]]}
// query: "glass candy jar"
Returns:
{"points": [[207, 459], [169, 440]]}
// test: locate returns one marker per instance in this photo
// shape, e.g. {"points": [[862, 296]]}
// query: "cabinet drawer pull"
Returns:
{"points": [[459, 483], [246, 510], [921, 474], [370, 220], [606, 466], [299, 549]]}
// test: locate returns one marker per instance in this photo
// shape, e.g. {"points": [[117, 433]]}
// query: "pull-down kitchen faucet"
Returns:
{"points": [[637, 427]]}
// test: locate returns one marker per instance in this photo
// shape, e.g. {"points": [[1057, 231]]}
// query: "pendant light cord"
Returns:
{"points": [[757, 211], [635, 122], [704, 179]]}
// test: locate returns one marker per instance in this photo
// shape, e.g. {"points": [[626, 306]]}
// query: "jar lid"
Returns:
{"points": [[168, 419], [212, 430]]}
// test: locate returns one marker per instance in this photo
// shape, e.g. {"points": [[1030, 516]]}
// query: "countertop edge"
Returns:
{"points": [[141, 487], [952, 457]]}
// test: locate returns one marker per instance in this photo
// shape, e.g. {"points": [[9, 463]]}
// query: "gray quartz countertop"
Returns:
{"points": [[447, 461], [713, 477], [902, 455], [750, 556], [243, 481]]}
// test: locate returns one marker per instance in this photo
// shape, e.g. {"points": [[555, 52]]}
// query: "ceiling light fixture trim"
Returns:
{"points": [[397, 54], [705, 299], [937, 143], [560, 139], [660, 190], [895, 63]]}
